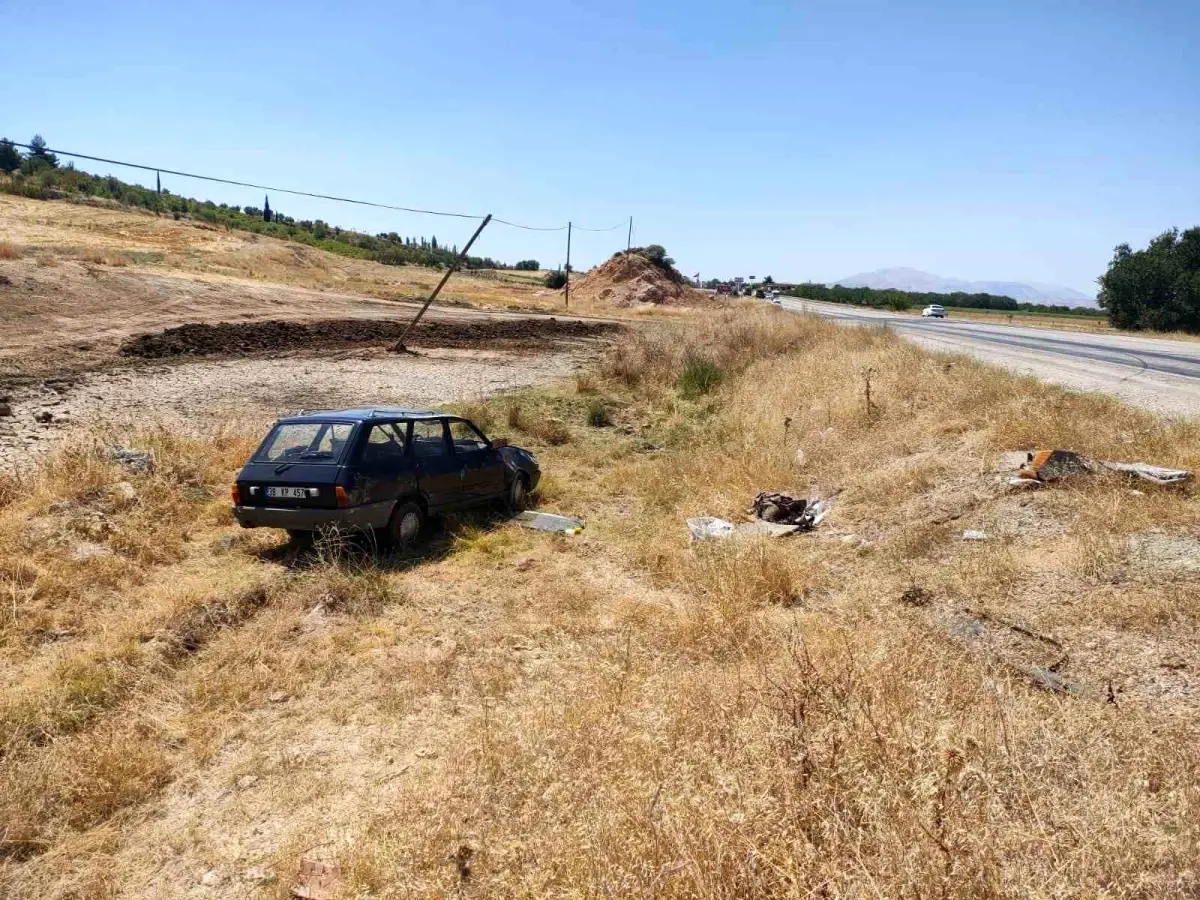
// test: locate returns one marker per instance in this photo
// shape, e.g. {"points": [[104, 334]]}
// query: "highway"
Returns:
{"points": [[1159, 374]]}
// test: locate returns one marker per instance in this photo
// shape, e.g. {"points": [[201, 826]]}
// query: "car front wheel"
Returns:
{"points": [[407, 525], [518, 493]]}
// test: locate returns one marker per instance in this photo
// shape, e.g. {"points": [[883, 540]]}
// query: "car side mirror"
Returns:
{"points": [[499, 443]]}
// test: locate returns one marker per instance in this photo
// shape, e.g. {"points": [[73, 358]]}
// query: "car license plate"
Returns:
{"points": [[287, 493]]}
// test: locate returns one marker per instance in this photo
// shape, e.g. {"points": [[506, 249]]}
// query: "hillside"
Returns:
{"points": [[78, 278], [906, 279]]}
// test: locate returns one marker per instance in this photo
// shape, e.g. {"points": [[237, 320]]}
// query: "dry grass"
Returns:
{"points": [[621, 713], [9, 250]]}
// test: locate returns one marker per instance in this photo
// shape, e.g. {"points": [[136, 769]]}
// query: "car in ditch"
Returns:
{"points": [[376, 469]]}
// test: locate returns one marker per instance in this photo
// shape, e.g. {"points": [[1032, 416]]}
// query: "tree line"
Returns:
{"points": [[38, 174], [899, 300], [1157, 288]]}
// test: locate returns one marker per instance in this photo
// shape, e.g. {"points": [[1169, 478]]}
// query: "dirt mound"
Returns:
{"points": [[272, 336], [628, 280]]}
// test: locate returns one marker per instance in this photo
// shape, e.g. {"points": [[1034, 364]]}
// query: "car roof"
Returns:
{"points": [[361, 414]]}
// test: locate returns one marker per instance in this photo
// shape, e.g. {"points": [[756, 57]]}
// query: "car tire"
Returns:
{"points": [[517, 498], [300, 540], [407, 526]]}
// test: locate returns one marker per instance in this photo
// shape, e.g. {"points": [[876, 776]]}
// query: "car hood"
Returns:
{"points": [[519, 458]]}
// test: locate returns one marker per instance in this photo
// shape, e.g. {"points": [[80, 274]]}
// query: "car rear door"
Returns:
{"points": [[483, 468], [438, 471], [385, 472]]}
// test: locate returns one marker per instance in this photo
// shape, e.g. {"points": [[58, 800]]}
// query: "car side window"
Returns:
{"points": [[429, 439], [466, 437], [385, 443]]}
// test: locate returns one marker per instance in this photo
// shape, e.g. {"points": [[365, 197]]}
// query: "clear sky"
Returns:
{"points": [[1017, 140]]}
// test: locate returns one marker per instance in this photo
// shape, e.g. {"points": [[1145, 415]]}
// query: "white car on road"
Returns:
{"points": [[934, 311]]}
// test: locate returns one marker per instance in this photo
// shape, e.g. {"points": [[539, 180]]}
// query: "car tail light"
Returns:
{"points": [[236, 493], [343, 498]]}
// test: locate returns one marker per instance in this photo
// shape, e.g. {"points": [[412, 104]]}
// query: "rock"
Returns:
{"points": [[258, 875], [136, 461], [211, 878], [225, 542], [85, 550], [247, 781], [426, 753], [44, 416], [5, 409], [125, 492]]}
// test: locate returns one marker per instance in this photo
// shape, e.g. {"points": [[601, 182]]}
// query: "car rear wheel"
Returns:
{"points": [[407, 525], [518, 493]]}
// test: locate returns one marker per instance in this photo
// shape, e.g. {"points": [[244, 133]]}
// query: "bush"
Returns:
{"points": [[700, 375], [598, 415], [556, 280], [899, 303], [1157, 288], [527, 265]]}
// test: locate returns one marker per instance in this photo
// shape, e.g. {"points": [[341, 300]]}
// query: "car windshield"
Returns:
{"points": [[307, 442]]}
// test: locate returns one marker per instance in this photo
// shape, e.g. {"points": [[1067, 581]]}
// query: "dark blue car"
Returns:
{"points": [[376, 469]]}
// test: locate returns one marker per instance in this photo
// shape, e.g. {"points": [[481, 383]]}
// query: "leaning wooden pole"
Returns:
{"points": [[400, 346]]}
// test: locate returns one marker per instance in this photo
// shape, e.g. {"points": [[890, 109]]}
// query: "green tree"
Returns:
{"points": [[555, 280], [527, 265], [10, 156], [38, 151], [1156, 288]]}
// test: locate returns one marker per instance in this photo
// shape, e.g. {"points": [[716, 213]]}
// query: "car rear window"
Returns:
{"points": [[307, 442]]}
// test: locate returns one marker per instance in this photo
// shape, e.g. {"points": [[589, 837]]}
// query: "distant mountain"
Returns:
{"points": [[903, 279]]}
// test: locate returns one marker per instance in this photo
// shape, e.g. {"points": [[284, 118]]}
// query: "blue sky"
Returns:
{"points": [[1015, 141]]}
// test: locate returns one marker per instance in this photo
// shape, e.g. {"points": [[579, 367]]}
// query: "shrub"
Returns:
{"points": [[699, 376], [556, 280], [598, 415]]}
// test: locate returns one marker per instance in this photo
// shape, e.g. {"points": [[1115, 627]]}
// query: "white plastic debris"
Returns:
{"points": [[709, 528], [1155, 474], [972, 534], [540, 521]]}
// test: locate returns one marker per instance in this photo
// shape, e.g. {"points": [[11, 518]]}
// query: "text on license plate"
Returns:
{"points": [[288, 493]]}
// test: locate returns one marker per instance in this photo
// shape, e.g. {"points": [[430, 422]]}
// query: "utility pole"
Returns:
{"points": [[399, 346], [629, 238], [567, 286]]}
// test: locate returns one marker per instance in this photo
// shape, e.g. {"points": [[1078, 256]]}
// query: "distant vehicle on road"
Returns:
{"points": [[376, 469], [934, 311]]}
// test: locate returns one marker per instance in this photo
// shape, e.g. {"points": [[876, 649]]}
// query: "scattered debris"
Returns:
{"points": [[140, 462], [245, 782], [462, 858], [1051, 465], [1043, 466], [1024, 483], [916, 595], [972, 534], [784, 509], [708, 528], [1014, 646], [318, 880], [549, 522], [766, 529], [1154, 474]]}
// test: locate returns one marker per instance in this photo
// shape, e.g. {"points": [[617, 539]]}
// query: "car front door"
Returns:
{"points": [[484, 472], [438, 472]]}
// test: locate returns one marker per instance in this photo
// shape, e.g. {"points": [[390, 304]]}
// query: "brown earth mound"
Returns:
{"points": [[272, 336], [628, 280]]}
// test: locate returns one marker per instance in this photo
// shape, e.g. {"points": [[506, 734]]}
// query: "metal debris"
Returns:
{"points": [[1042, 466], [540, 521], [784, 509], [137, 461], [708, 528]]}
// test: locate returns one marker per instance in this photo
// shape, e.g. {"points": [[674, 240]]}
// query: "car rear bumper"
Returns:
{"points": [[352, 518]]}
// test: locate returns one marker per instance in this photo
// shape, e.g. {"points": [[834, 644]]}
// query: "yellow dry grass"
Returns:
{"points": [[622, 713], [9, 250]]}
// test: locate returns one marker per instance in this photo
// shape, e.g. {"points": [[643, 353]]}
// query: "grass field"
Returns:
{"points": [[185, 707]]}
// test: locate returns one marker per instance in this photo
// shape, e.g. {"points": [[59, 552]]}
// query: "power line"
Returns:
{"points": [[613, 228], [279, 190]]}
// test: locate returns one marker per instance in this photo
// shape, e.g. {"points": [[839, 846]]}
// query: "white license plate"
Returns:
{"points": [[287, 493]]}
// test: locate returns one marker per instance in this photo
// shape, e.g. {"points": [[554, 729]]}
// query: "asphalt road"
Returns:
{"points": [[1159, 374]]}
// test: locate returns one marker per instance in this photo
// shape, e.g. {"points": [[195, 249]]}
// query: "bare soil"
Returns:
{"points": [[631, 280], [274, 335]]}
